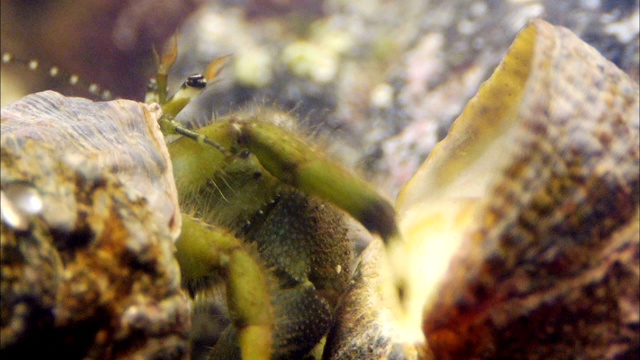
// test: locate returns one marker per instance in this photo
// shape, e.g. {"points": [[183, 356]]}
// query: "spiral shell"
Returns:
{"points": [[521, 236], [89, 217]]}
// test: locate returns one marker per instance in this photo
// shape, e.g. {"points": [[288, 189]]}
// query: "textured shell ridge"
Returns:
{"points": [[120, 136]]}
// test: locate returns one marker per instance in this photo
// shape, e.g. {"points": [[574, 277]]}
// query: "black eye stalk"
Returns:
{"points": [[197, 81], [189, 89]]}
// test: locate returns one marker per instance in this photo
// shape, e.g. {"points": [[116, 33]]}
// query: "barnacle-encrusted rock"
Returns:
{"points": [[87, 265]]}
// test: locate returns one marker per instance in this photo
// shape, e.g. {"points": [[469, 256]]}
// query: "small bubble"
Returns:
{"points": [[382, 96], [73, 80], [17, 202], [33, 64], [26, 198], [11, 215], [54, 71], [6, 57]]}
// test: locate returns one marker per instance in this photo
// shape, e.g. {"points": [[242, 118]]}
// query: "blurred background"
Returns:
{"points": [[378, 81]]}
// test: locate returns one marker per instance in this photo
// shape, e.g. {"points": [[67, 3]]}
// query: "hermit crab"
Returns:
{"points": [[247, 203]]}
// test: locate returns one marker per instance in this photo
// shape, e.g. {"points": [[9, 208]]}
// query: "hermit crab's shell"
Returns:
{"points": [[89, 216], [121, 137]]}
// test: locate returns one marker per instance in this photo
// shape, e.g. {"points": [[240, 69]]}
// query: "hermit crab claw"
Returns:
{"points": [[527, 205]]}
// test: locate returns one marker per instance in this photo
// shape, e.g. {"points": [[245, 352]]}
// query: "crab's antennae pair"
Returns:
{"points": [[192, 87]]}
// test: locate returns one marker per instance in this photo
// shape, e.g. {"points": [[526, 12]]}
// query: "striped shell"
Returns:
{"points": [[89, 216], [533, 201], [521, 228]]}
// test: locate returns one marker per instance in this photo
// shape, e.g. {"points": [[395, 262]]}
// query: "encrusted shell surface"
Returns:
{"points": [[121, 137], [87, 261], [521, 236]]}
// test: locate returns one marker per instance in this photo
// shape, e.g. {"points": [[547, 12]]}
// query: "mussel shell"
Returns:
{"points": [[520, 231], [539, 180]]}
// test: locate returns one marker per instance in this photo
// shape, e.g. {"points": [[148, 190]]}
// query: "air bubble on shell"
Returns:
{"points": [[26, 198], [11, 215], [18, 202]]}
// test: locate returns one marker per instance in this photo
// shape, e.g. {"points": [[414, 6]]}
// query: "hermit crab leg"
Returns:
{"points": [[291, 161], [203, 249], [296, 163]]}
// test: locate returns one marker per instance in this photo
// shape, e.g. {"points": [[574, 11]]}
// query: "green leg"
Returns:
{"points": [[298, 164], [290, 160], [203, 250]]}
